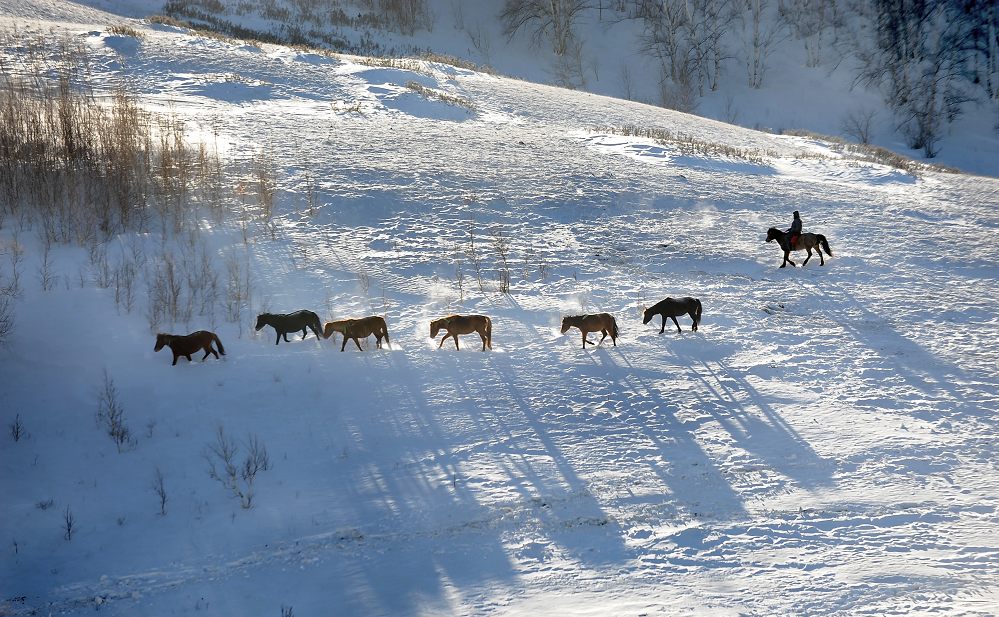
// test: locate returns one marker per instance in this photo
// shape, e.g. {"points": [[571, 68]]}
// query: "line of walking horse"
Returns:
{"points": [[452, 326]]}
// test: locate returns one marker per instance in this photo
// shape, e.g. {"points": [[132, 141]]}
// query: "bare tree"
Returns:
{"points": [[545, 19]]}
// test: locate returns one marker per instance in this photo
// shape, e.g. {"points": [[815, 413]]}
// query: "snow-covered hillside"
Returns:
{"points": [[824, 444], [786, 66]]}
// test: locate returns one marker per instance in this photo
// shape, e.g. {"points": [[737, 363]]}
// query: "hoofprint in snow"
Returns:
{"points": [[825, 444]]}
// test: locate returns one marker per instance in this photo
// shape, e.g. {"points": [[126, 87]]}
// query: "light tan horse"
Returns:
{"points": [[600, 322], [358, 329], [463, 324], [186, 344]]}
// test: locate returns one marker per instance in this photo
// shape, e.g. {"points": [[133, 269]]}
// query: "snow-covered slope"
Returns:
{"points": [[824, 444]]}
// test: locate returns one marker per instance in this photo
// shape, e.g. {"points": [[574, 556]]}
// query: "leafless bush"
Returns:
{"points": [[858, 123], [45, 504], [68, 523], [266, 185], [440, 95], [6, 315], [364, 280], [159, 487], [287, 611], [545, 19], [125, 30], [17, 428], [501, 245], [237, 289], [236, 477], [111, 415], [689, 145], [473, 256], [46, 277]]}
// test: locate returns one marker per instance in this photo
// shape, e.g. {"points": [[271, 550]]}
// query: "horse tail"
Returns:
{"points": [[316, 325], [489, 332], [617, 332], [218, 341], [385, 331], [825, 244], [697, 311]]}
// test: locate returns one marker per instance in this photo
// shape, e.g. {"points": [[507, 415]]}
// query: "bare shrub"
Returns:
{"points": [[501, 245], [46, 276], [690, 145], [45, 504], [434, 94], [857, 124], [473, 256], [125, 30], [111, 415], [159, 487], [545, 19], [68, 524], [6, 315], [17, 428], [237, 477]]}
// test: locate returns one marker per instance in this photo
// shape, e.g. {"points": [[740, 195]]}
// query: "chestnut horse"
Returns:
{"points": [[358, 329], [806, 242], [673, 308], [463, 324], [600, 322], [291, 322], [185, 345]]}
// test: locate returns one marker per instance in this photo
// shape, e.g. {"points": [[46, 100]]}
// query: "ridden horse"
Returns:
{"points": [[185, 345], [673, 308], [806, 242], [463, 324], [358, 329], [290, 322], [600, 322]]}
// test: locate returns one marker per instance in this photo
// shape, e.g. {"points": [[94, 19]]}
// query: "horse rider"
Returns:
{"points": [[795, 230]]}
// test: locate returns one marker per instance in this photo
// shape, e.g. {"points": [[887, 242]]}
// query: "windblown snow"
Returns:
{"points": [[824, 444]]}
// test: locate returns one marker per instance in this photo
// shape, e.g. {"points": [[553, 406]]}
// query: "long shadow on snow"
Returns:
{"points": [[750, 419], [410, 505], [938, 379]]}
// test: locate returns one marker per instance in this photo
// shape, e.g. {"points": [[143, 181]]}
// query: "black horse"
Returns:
{"points": [[806, 242], [673, 308], [291, 322]]}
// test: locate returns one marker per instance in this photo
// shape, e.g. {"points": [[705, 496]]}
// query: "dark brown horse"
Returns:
{"points": [[290, 322], [600, 322], [358, 329], [673, 308], [185, 345], [806, 242], [463, 324]]}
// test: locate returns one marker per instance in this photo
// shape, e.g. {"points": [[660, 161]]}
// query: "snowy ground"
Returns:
{"points": [[825, 444]]}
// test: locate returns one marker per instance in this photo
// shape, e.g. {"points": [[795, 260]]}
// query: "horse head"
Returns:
{"points": [[566, 324], [161, 340], [262, 320], [435, 327], [772, 234]]}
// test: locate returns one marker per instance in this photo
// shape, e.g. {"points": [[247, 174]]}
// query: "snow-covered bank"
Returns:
{"points": [[825, 444]]}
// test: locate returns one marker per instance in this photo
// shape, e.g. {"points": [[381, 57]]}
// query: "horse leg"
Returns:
{"points": [[663, 327], [604, 332], [175, 356], [344, 346], [455, 335], [693, 326], [305, 332], [676, 323], [809, 249], [822, 261], [188, 356], [442, 341], [584, 338], [483, 337], [356, 342]]}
